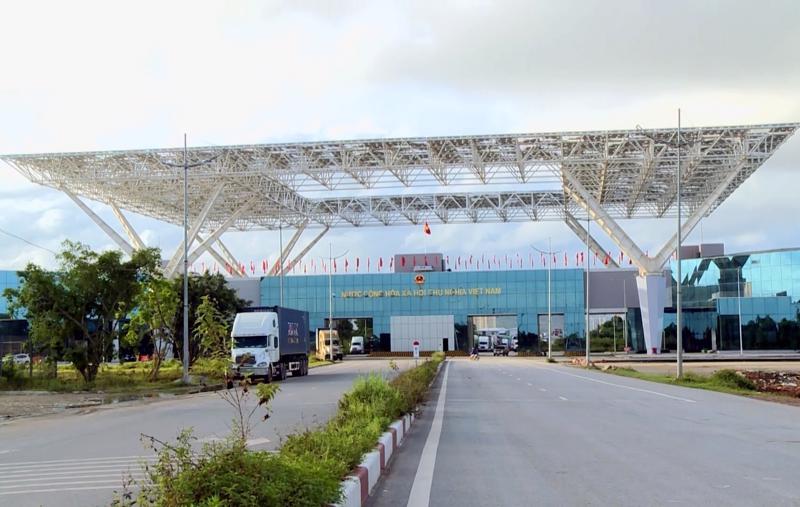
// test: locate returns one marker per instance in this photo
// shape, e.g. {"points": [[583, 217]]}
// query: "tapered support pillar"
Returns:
{"points": [[652, 297]]}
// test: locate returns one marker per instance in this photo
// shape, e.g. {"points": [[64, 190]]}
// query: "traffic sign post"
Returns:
{"points": [[415, 347]]}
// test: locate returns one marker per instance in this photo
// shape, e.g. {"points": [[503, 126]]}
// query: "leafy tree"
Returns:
{"points": [[156, 315], [211, 330], [79, 304], [224, 297]]}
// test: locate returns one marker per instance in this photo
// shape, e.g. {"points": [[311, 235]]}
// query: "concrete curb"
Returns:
{"points": [[357, 487]]}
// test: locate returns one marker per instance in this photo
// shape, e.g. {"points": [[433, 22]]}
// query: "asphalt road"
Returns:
{"points": [[79, 458], [513, 432]]}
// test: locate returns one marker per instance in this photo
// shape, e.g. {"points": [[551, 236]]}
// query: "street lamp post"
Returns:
{"points": [[678, 316], [186, 165], [549, 253], [588, 239], [331, 258]]}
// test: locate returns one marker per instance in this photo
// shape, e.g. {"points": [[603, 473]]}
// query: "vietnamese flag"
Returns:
{"points": [[426, 229]]}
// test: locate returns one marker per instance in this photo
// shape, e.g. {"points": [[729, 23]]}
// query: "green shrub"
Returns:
{"points": [[732, 380], [227, 474]]}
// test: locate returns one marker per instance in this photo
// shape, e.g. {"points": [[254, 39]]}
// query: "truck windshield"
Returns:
{"points": [[335, 342], [250, 341]]}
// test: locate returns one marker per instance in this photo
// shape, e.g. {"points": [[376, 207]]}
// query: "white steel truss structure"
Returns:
{"points": [[606, 175]]}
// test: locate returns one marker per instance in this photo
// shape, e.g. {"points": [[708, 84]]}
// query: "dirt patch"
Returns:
{"points": [[27, 404], [780, 382]]}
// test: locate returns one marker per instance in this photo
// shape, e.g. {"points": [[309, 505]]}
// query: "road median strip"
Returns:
{"points": [[339, 462]]}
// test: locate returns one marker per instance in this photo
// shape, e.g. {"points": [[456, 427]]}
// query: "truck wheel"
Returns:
{"points": [[282, 373], [305, 367], [268, 378]]}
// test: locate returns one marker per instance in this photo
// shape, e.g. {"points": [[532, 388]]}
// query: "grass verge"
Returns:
{"points": [[127, 378], [724, 381], [308, 469]]}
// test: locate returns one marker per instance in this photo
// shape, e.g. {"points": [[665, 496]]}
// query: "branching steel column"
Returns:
{"points": [[276, 270], [172, 265], [129, 230], [688, 226], [306, 249], [608, 224], [581, 232], [124, 245]]}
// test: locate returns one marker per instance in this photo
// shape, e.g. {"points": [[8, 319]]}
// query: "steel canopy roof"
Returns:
{"points": [[460, 179]]}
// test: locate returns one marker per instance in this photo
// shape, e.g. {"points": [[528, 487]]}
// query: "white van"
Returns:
{"points": [[357, 345], [484, 343]]}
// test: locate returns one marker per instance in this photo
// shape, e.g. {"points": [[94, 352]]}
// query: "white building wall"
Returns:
{"points": [[428, 329]]}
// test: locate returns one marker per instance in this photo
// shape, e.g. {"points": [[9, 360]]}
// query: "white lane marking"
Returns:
{"points": [[77, 468], [423, 480], [622, 386], [542, 389], [70, 483], [37, 473], [32, 491], [76, 460], [562, 398], [257, 441], [530, 385], [519, 379], [39, 479]]}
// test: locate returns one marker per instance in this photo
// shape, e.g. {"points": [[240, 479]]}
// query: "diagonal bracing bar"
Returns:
{"points": [[688, 226], [214, 236], [305, 250], [172, 265], [286, 251], [233, 261], [124, 245], [129, 230], [608, 224], [580, 231]]}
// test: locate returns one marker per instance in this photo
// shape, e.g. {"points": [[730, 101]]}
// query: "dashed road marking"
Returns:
{"points": [[562, 398]]}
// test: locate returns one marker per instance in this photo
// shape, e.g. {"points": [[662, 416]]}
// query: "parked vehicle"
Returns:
{"points": [[357, 345], [22, 359], [324, 347], [484, 345], [501, 346], [269, 342]]}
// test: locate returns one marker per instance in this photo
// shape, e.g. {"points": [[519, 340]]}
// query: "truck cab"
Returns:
{"points": [[255, 343], [326, 350]]}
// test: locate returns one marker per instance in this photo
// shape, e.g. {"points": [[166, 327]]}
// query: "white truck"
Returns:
{"points": [[269, 342]]}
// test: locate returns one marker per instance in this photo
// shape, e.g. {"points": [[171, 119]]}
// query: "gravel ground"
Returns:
{"points": [[14, 404]]}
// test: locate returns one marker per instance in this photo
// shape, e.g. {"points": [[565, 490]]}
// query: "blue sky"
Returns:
{"points": [[101, 75]]}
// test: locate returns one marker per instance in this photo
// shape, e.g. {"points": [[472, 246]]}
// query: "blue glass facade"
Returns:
{"points": [[461, 294], [764, 287], [8, 280]]}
